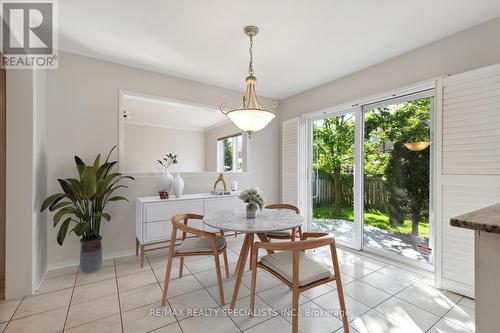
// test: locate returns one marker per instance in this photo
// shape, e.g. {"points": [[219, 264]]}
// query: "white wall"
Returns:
{"points": [[473, 48], [146, 144], [19, 183], [26, 182], [39, 248], [82, 118]]}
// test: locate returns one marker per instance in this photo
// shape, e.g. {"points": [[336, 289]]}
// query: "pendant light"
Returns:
{"points": [[250, 116]]}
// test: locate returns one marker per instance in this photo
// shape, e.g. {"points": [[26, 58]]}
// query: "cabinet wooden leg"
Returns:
{"points": [[142, 255]]}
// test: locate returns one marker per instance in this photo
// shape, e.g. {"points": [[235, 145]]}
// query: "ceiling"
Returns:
{"points": [[301, 44], [157, 112]]}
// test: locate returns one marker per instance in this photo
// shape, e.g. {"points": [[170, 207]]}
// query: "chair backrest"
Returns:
{"points": [[177, 224], [284, 206], [320, 239]]}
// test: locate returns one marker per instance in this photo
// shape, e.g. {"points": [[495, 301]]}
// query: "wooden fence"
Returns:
{"points": [[375, 195]]}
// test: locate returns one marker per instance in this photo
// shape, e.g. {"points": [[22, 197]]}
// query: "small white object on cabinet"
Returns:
{"points": [[153, 215], [178, 185]]}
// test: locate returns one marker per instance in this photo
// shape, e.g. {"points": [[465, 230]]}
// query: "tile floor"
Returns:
{"points": [[381, 298]]}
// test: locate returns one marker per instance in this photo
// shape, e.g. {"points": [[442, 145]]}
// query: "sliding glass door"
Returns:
{"points": [[397, 165], [333, 179], [369, 176]]}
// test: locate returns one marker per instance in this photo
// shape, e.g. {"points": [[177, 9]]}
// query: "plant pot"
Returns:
{"points": [[90, 255], [251, 213], [417, 146]]}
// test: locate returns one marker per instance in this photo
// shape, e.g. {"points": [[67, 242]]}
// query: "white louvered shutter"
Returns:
{"points": [[470, 175], [290, 161]]}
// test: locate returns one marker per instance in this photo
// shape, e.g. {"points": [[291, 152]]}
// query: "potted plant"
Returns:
{"points": [[166, 178], [81, 207], [254, 199], [418, 139]]}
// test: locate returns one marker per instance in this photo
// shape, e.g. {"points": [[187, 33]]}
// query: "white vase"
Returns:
{"points": [[166, 181], [178, 185], [234, 185]]}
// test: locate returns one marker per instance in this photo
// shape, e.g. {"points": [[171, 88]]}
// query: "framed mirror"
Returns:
{"points": [[203, 139]]}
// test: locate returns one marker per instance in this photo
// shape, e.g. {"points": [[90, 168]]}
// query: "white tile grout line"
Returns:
{"points": [[161, 288], [17, 308], [118, 295], [71, 298]]}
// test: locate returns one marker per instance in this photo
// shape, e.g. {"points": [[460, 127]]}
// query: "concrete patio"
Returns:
{"points": [[396, 243]]}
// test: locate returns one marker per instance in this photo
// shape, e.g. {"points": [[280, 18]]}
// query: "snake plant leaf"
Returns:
{"points": [[63, 230], [80, 165], [54, 198], [80, 228]]}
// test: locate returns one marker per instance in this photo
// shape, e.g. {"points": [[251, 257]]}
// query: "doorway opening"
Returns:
{"points": [[374, 192]]}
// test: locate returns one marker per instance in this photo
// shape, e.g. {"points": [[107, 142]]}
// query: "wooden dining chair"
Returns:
{"points": [[205, 244], [299, 272], [287, 234]]}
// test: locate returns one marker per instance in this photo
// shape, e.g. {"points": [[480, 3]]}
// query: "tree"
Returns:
{"points": [[334, 142], [407, 175], [228, 155]]}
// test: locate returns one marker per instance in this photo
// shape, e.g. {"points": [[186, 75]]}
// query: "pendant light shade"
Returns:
{"points": [[250, 116]]}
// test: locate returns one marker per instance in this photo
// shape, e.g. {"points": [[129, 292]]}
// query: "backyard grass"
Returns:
{"points": [[371, 217]]}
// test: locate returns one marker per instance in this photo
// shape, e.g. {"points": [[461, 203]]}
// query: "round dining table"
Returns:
{"points": [[267, 220]]}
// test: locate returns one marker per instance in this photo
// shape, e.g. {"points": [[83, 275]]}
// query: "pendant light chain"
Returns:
{"points": [[250, 64]]}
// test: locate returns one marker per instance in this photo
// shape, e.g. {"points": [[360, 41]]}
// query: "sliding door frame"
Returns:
{"points": [[358, 162], [423, 89]]}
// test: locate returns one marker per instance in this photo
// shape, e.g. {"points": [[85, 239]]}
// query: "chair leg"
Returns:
{"points": [[181, 267], [295, 293], [219, 278], [250, 261], [167, 280], [253, 261], [226, 262], [293, 234], [136, 247], [340, 290]]}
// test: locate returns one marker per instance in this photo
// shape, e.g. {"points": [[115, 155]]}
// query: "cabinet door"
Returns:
{"points": [[161, 211], [216, 204]]}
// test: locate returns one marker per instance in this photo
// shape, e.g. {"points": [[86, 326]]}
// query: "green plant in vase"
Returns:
{"points": [[254, 199], [166, 178], [80, 208]]}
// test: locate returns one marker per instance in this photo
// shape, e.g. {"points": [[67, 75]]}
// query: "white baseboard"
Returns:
{"points": [[76, 261], [457, 287]]}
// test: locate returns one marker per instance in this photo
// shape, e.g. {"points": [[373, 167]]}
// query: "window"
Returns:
{"points": [[230, 153]]}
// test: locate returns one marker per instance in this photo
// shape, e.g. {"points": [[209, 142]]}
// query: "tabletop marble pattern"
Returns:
{"points": [[266, 220], [485, 219]]}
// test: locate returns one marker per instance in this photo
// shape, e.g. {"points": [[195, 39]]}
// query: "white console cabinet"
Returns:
{"points": [[153, 215]]}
